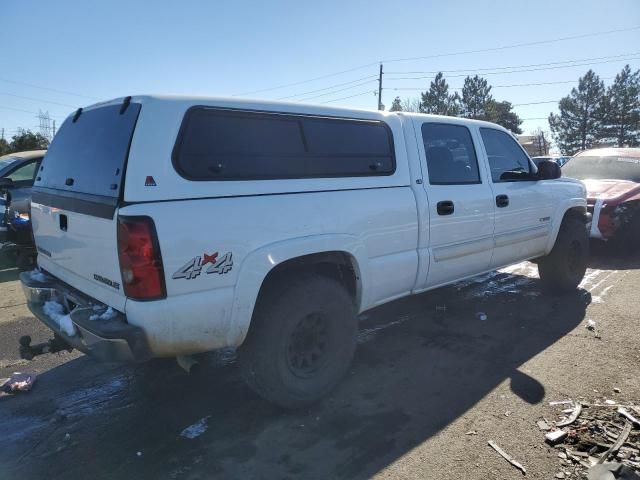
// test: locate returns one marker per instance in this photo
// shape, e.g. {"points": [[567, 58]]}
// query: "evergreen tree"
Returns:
{"points": [[437, 99], [622, 117], [396, 106], [476, 97], [27, 140], [579, 125], [502, 114]]}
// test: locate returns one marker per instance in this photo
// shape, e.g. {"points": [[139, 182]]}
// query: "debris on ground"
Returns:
{"points": [[591, 325], [18, 382], [471, 432], [196, 429], [481, 316], [507, 457], [599, 439]]}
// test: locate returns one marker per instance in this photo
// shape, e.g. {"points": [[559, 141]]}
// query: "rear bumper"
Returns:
{"points": [[111, 340]]}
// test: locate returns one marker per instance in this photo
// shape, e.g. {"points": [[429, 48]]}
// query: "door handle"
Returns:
{"points": [[502, 201], [445, 207]]}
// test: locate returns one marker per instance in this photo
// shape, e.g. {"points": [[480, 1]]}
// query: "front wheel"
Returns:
{"points": [[301, 341], [564, 268]]}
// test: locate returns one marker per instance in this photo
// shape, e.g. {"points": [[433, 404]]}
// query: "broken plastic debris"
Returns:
{"points": [[555, 436], [591, 325], [471, 432], [544, 426], [19, 382]]}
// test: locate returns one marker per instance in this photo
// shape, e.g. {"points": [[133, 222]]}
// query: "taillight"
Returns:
{"points": [[140, 259]]}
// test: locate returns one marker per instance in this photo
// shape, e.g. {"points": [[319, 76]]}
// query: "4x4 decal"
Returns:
{"points": [[194, 267]]}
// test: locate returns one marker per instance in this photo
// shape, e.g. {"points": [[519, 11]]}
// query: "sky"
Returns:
{"points": [[61, 55]]}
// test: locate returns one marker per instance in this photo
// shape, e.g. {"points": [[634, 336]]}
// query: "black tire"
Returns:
{"points": [[301, 341], [564, 268]]}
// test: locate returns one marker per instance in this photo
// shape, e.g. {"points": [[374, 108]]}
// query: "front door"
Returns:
{"points": [[523, 206], [460, 203]]}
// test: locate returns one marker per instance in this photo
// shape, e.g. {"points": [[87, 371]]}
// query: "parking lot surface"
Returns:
{"points": [[436, 376]]}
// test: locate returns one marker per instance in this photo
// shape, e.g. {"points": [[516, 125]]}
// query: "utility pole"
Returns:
{"points": [[54, 130], [544, 143], [2, 136], [380, 106]]}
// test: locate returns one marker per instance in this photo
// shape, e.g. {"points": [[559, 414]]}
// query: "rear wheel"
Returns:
{"points": [[301, 341], [564, 268]]}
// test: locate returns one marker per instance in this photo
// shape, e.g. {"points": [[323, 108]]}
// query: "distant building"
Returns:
{"points": [[535, 145]]}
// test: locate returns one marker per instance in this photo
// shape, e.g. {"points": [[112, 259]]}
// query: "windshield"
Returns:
{"points": [[613, 167], [5, 164], [88, 155]]}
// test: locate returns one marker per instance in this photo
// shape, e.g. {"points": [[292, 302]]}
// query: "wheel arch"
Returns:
{"points": [[572, 208], [339, 256]]}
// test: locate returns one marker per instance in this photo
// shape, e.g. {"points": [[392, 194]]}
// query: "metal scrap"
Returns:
{"points": [[628, 416], [507, 457], [616, 446]]}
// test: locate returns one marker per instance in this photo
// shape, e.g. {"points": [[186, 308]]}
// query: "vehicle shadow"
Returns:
{"points": [[8, 273], [422, 362]]}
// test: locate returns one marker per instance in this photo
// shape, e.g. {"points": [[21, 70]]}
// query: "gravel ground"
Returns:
{"points": [[428, 373]]}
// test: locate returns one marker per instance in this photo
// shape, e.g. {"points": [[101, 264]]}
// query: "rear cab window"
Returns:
{"points": [[88, 155], [451, 156], [222, 144]]}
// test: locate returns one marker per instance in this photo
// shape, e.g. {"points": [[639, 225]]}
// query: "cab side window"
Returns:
{"points": [[25, 173], [451, 157], [507, 161]]}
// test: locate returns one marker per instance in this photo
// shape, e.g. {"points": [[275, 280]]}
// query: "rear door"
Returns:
{"points": [[460, 203], [23, 177], [75, 199], [523, 205]]}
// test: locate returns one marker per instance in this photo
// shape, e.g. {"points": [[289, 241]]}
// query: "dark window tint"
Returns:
{"points": [[219, 144], [506, 159], [451, 158], [88, 155]]}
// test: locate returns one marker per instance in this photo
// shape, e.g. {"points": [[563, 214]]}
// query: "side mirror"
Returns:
{"points": [[548, 170], [6, 183]]}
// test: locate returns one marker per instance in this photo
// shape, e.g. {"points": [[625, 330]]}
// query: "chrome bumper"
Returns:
{"points": [[111, 340]]}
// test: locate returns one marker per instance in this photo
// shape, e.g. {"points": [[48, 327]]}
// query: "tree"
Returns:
{"points": [[396, 106], [622, 117], [476, 95], [502, 114], [438, 100], [410, 105], [579, 125], [4, 147], [27, 140]]}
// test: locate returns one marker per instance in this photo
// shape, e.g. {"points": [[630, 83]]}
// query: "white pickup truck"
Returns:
{"points": [[169, 226]]}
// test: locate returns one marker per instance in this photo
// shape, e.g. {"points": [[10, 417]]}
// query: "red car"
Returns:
{"points": [[612, 178]]}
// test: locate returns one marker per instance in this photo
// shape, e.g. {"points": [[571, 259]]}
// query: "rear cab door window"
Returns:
{"points": [[460, 204]]}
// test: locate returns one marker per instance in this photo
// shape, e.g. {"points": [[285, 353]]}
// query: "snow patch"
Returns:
{"points": [[108, 314], [197, 429], [37, 276], [55, 311]]}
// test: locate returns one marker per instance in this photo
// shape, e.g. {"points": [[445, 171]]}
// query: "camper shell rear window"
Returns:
{"points": [[88, 155], [224, 144]]}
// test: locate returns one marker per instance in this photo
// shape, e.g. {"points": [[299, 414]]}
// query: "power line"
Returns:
{"points": [[336, 91], [350, 96], [535, 103], [449, 54], [28, 111], [520, 70], [516, 45], [607, 57], [327, 88], [39, 100], [47, 88], [535, 84]]}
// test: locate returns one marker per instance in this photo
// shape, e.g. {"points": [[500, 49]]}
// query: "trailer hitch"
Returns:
{"points": [[56, 344]]}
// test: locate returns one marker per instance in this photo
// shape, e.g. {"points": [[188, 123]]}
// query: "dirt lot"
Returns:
{"points": [[427, 372]]}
